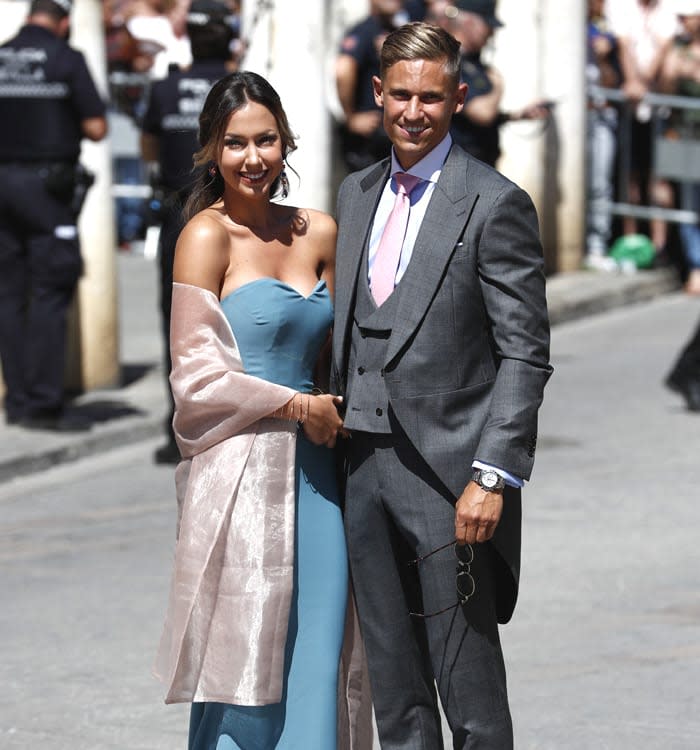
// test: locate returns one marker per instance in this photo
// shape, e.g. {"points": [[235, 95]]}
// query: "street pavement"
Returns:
{"points": [[603, 651]]}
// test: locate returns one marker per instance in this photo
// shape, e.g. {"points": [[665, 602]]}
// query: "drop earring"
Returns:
{"points": [[284, 183], [212, 171]]}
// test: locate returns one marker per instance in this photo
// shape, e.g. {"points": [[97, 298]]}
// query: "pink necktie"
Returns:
{"points": [[386, 260]]}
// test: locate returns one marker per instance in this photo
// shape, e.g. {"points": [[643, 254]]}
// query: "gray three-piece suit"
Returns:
{"points": [[451, 368]]}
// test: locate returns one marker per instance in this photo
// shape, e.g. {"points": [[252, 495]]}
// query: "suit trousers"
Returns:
{"points": [[687, 364], [171, 225], [39, 269], [397, 510]]}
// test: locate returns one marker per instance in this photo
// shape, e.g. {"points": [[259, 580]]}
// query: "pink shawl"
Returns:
{"points": [[226, 625]]}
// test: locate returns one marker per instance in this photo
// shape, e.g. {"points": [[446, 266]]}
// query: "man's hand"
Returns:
{"points": [[477, 514], [322, 422], [364, 123], [635, 90]]}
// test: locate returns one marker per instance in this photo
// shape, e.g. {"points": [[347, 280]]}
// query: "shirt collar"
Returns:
{"points": [[430, 166]]}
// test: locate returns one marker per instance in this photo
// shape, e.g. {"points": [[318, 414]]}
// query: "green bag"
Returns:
{"points": [[637, 248]]}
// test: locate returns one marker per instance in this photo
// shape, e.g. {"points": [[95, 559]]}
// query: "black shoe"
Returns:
{"points": [[674, 381], [55, 423], [688, 386], [691, 393], [167, 454]]}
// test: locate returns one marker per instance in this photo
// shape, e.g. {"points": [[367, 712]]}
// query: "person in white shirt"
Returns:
{"points": [[645, 30]]}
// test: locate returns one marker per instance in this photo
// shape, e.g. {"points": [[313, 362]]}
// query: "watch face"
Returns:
{"points": [[489, 478]]}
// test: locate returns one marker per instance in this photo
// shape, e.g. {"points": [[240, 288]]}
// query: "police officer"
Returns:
{"points": [[363, 140], [169, 139], [49, 103], [477, 127]]}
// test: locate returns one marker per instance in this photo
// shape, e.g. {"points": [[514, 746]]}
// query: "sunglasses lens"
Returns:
{"points": [[465, 586], [465, 553]]}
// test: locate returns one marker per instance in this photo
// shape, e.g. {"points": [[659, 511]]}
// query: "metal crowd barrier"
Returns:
{"points": [[673, 158]]}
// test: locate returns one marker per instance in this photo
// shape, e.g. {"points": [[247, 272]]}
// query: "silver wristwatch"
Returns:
{"points": [[489, 480]]}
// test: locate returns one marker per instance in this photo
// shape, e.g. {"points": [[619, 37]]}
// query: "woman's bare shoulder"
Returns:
{"points": [[317, 224], [322, 232], [207, 224], [202, 251]]}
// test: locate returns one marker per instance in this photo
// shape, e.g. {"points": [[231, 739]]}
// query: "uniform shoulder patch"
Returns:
{"points": [[349, 43]]}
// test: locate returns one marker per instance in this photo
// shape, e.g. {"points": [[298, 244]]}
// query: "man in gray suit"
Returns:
{"points": [[442, 377]]}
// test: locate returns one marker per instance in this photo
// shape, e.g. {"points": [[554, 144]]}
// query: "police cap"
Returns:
{"points": [[54, 7], [208, 12], [484, 8], [64, 5]]}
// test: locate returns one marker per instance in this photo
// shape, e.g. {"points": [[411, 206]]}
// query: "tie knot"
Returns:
{"points": [[406, 182]]}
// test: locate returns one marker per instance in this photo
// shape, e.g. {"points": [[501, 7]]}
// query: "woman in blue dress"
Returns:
{"points": [[270, 266]]}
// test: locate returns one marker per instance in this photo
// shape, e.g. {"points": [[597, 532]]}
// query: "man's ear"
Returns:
{"points": [[378, 92], [461, 95], [64, 27]]}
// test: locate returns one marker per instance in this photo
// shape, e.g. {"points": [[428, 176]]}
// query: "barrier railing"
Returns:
{"points": [[674, 157]]}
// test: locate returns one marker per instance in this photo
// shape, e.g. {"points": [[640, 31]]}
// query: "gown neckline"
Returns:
{"points": [[318, 286]]}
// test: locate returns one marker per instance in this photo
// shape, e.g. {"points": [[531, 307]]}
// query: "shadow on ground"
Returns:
{"points": [[135, 371]]}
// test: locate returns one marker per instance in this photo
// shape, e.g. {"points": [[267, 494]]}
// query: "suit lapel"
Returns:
{"points": [[448, 212], [350, 252]]}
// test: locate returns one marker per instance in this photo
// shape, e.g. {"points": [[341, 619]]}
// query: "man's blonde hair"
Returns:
{"points": [[421, 41]]}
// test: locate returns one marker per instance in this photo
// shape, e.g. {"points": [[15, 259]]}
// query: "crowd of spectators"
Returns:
{"points": [[635, 47], [638, 48]]}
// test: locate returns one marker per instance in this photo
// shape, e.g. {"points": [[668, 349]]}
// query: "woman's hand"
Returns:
{"points": [[322, 423]]}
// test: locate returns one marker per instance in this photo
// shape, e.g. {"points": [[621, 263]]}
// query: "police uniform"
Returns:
{"points": [[45, 92], [172, 116], [481, 141], [363, 43]]}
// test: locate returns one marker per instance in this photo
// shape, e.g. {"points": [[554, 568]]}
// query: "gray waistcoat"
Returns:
{"points": [[367, 398]]}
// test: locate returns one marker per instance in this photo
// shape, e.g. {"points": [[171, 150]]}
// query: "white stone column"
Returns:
{"points": [[13, 13], [288, 46], [564, 78], [516, 51], [541, 53], [94, 339]]}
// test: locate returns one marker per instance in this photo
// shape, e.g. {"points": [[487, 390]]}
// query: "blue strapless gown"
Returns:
{"points": [[279, 334]]}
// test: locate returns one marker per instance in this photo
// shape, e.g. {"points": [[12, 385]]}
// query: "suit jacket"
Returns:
{"points": [[468, 357]]}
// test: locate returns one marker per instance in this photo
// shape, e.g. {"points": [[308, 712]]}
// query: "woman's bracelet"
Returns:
{"points": [[295, 410], [303, 411], [288, 410]]}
